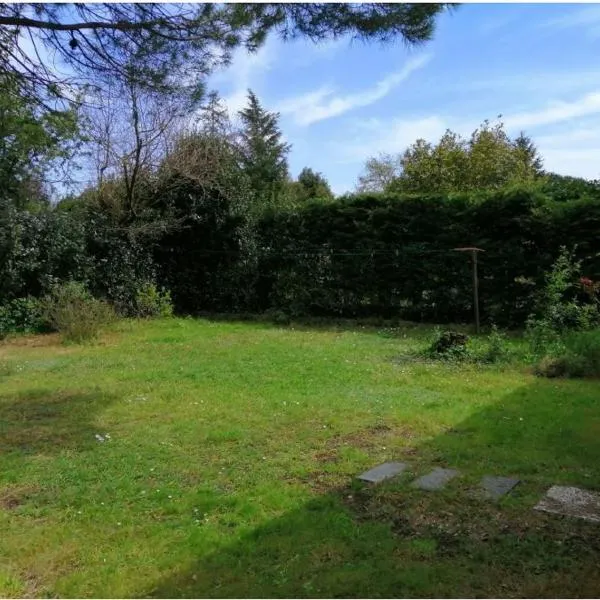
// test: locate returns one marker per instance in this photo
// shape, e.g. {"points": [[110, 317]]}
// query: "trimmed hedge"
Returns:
{"points": [[393, 255]]}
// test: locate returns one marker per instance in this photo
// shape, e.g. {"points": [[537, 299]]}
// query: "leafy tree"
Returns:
{"points": [[528, 157], [32, 145], [488, 160], [380, 171], [309, 186], [263, 152], [174, 46], [565, 187]]}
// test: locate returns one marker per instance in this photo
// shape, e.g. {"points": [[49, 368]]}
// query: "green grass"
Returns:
{"points": [[230, 464]]}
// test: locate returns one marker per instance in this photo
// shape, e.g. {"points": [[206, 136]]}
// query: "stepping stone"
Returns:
{"points": [[571, 502], [435, 480], [496, 487], [381, 472]]}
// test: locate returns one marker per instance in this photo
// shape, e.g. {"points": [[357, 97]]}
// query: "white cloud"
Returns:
{"points": [[572, 161], [587, 17], [556, 112], [321, 104], [389, 137], [245, 71], [578, 143]]}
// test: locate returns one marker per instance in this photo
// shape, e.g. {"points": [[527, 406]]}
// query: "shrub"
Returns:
{"points": [[75, 313], [580, 357], [558, 309], [496, 349], [152, 302], [449, 345], [22, 315]]}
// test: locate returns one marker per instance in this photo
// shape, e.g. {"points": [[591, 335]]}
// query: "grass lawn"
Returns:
{"points": [[230, 463]]}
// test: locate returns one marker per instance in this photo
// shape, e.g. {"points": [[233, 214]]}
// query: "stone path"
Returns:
{"points": [[571, 502], [567, 501], [381, 472], [496, 487], [435, 480]]}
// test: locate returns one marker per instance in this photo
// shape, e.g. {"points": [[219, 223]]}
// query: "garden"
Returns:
{"points": [[208, 366]]}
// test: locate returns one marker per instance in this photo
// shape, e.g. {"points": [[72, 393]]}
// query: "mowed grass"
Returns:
{"points": [[229, 471]]}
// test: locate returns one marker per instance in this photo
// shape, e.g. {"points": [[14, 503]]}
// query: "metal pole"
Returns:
{"points": [[474, 252], [475, 291]]}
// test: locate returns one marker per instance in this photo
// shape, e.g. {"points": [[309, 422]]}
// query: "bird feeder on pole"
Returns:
{"points": [[474, 252]]}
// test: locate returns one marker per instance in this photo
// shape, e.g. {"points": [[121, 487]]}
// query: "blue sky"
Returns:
{"points": [[341, 102]]}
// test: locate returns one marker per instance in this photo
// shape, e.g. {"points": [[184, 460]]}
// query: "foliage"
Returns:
{"points": [[558, 308], [32, 142], [578, 357], [379, 173], [496, 348], [449, 345], [171, 49], [263, 153], [309, 186], [207, 153], [75, 313], [565, 188], [38, 250], [152, 302], [205, 260], [489, 160], [22, 315]]}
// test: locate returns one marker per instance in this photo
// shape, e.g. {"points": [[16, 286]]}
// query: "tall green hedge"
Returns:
{"points": [[393, 255], [359, 256]]}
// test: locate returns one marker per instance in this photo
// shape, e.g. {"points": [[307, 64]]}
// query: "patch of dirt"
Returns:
{"points": [[470, 523], [368, 438], [33, 341], [13, 497]]}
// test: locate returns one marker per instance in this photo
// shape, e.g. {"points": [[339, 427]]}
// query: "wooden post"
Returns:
{"points": [[474, 252], [475, 291]]}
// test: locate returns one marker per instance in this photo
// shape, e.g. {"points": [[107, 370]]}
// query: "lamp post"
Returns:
{"points": [[474, 252]]}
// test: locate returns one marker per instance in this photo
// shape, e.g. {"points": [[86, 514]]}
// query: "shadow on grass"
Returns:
{"points": [[373, 324], [47, 422], [393, 541]]}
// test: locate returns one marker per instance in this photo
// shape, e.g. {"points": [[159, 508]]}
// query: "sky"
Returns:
{"points": [[341, 102]]}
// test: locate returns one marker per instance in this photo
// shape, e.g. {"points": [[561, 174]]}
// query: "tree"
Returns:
{"points": [[206, 153], [129, 132], [174, 46], [263, 152], [33, 146], [528, 156], [488, 160], [380, 171], [312, 185]]}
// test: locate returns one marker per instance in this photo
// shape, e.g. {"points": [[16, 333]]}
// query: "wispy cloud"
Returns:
{"points": [[246, 71], [322, 104], [556, 112], [388, 136], [587, 17], [568, 137]]}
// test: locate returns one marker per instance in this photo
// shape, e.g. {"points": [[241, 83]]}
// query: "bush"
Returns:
{"points": [[580, 357], [75, 313], [22, 315], [152, 302], [496, 349], [449, 345], [558, 309]]}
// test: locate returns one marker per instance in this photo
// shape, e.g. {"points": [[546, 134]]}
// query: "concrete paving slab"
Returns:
{"points": [[571, 502], [435, 480], [496, 487], [381, 472]]}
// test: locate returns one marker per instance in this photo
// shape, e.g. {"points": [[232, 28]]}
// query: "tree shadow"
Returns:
{"points": [[329, 323], [394, 541], [44, 421]]}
